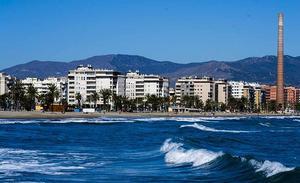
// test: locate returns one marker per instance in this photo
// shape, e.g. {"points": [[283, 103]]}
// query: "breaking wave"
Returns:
{"points": [[177, 155], [209, 129]]}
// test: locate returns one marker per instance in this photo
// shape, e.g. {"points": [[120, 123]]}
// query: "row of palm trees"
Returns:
{"points": [[123, 103], [21, 98]]}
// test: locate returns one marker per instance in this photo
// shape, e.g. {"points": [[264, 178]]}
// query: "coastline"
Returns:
{"points": [[57, 115]]}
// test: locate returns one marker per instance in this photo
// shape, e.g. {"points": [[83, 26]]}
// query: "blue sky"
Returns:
{"points": [[177, 30]]}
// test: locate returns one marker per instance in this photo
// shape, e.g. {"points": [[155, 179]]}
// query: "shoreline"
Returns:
{"points": [[59, 115]]}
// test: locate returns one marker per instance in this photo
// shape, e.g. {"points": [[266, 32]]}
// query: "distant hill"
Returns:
{"points": [[254, 69]]}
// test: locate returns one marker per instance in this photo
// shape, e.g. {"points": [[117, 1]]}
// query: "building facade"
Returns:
{"points": [[3, 83], [42, 85], [138, 86], [251, 91], [206, 88], [87, 80]]}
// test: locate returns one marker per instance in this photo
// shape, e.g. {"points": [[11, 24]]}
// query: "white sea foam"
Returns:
{"points": [[176, 154], [209, 129], [297, 120], [152, 119], [15, 161], [70, 120], [269, 168], [279, 117], [189, 119], [205, 119]]}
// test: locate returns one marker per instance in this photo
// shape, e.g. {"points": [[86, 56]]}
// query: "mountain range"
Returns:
{"points": [[252, 69]]}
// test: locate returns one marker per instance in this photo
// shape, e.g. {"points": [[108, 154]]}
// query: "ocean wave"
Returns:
{"points": [[175, 154], [205, 119], [152, 119], [209, 129], [297, 120], [68, 120], [279, 117], [265, 124], [13, 162], [269, 168]]}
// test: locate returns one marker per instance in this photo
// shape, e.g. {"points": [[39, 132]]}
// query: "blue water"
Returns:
{"points": [[236, 149]]}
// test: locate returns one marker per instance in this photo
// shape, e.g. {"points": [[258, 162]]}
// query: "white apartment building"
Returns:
{"points": [[3, 83], [244, 89], [140, 85], [206, 88], [6, 81], [237, 88], [42, 85], [86, 80]]}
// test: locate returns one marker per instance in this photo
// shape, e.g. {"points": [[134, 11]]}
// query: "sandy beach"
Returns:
{"points": [[43, 115]]}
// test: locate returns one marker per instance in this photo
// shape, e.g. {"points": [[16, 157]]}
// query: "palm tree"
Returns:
{"points": [[154, 101], [52, 95], [5, 101], [95, 97], [198, 103], [117, 100], [17, 94], [64, 103], [78, 97], [186, 101], [209, 105], [105, 94], [31, 94]]}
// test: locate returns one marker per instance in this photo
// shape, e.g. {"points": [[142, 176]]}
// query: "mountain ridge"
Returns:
{"points": [[252, 69]]}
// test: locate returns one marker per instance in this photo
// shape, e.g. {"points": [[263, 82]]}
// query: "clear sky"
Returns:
{"points": [[177, 30]]}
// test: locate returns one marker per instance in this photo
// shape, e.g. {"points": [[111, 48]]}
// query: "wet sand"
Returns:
{"points": [[43, 115]]}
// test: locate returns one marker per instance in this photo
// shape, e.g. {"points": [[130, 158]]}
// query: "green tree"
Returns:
{"points": [[153, 102], [105, 94], [117, 101], [208, 105], [271, 106], [31, 95], [297, 107], [52, 95], [186, 101], [5, 101], [78, 97], [232, 104], [198, 103], [222, 106], [64, 103], [17, 95], [95, 97]]}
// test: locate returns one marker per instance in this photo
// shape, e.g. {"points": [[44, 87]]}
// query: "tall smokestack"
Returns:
{"points": [[280, 81]]}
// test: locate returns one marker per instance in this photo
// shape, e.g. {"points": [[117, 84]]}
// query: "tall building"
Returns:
{"points": [[280, 71], [140, 85], [222, 91], [86, 80], [3, 84], [206, 88]]}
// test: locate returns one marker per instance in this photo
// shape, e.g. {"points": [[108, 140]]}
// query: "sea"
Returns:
{"points": [[168, 149]]}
